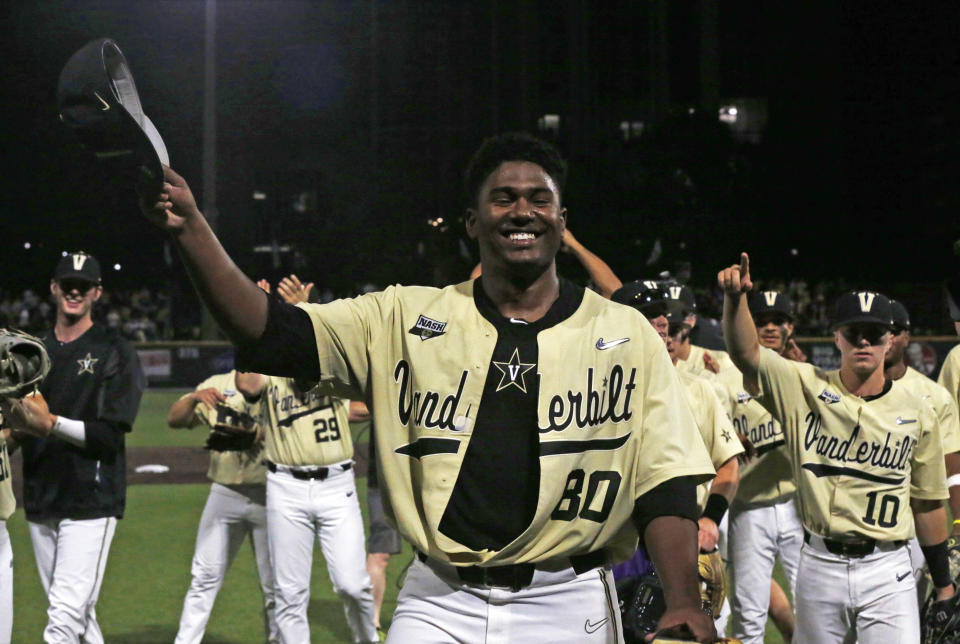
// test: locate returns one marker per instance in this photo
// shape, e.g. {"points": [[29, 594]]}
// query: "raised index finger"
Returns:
{"points": [[744, 264]]}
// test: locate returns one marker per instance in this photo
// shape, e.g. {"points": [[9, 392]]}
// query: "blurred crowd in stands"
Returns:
{"points": [[143, 315]]}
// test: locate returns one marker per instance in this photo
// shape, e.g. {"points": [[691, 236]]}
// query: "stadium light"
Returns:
{"points": [[26, 245], [116, 267]]}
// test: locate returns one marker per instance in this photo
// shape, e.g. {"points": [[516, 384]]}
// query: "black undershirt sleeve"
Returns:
{"points": [[288, 346], [674, 497]]}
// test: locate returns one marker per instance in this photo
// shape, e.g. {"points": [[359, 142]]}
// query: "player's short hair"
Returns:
{"points": [[512, 146]]}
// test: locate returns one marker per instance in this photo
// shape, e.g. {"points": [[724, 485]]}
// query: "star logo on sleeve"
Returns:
{"points": [[511, 373], [726, 436], [86, 363]]}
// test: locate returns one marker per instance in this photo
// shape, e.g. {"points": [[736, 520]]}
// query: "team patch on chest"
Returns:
{"points": [[513, 372]]}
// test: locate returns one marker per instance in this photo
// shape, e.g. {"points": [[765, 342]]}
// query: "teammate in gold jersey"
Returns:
{"points": [[235, 508], [764, 525], [868, 465], [943, 404]]}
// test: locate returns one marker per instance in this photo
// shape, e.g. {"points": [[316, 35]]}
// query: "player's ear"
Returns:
{"points": [[470, 222], [97, 293], [563, 216], [836, 338], [53, 289]]}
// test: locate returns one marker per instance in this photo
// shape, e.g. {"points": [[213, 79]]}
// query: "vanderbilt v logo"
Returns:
{"points": [[770, 297], [78, 262], [866, 301], [512, 372], [674, 292]]}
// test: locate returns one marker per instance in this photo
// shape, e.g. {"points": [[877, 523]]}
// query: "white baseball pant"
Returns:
{"points": [[870, 600], [297, 512], [6, 585], [229, 516], [559, 606], [71, 558], [758, 535]]}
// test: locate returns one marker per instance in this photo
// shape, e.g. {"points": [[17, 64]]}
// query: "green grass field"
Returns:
{"points": [[149, 568]]}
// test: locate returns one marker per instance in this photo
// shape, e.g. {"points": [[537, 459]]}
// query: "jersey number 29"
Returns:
{"points": [[326, 430]]}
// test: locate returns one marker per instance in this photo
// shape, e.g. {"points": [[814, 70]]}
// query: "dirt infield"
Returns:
{"points": [[186, 465]]}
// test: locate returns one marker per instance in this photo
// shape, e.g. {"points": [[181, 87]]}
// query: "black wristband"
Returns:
{"points": [[939, 563], [717, 505]]}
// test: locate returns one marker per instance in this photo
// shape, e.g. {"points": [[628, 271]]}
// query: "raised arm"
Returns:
{"points": [[739, 331], [600, 273], [239, 307], [180, 415]]}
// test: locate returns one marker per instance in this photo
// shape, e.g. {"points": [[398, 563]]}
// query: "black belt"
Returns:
{"points": [[857, 548], [315, 474], [517, 576]]}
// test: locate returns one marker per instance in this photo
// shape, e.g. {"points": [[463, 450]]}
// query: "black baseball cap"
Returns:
{"points": [[644, 295], [98, 101], [78, 266], [899, 315], [863, 307], [771, 302]]}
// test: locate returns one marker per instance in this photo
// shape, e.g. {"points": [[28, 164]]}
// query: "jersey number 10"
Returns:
{"points": [[569, 505], [889, 508]]}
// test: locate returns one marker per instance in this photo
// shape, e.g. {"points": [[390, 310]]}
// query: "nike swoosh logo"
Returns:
{"points": [[590, 627], [606, 345], [901, 421], [106, 105], [903, 576]]}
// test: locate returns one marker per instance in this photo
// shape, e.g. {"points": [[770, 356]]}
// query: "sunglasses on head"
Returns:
{"points": [[82, 286], [872, 333], [896, 329]]}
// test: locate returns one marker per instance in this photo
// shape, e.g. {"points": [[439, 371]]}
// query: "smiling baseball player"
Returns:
{"points": [[868, 465], [527, 430]]}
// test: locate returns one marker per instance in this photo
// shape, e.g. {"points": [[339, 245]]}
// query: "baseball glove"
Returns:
{"points": [[233, 430], [713, 582], [641, 606], [940, 621], [24, 363]]}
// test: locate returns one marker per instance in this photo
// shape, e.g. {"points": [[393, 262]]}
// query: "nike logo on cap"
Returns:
{"points": [[593, 627], [902, 421], [606, 345]]}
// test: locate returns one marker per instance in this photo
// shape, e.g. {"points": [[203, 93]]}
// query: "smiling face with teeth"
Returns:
{"points": [[518, 221]]}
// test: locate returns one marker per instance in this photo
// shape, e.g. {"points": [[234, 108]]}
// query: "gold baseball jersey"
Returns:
{"points": [[949, 377], [944, 406], [722, 383], [304, 428], [233, 467], [7, 502], [599, 399], [857, 461], [715, 427], [767, 477]]}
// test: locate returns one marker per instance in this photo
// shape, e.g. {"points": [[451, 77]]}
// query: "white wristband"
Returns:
{"points": [[953, 481], [72, 431]]}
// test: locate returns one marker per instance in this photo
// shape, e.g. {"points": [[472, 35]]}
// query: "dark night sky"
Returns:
{"points": [[857, 167]]}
